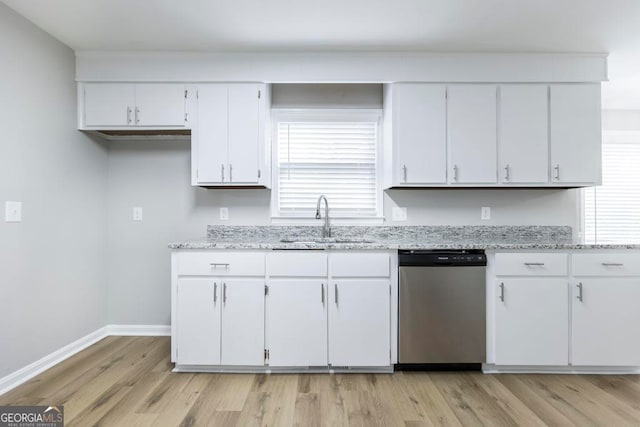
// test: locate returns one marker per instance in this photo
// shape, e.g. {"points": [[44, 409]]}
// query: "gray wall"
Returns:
{"points": [[53, 285], [155, 176]]}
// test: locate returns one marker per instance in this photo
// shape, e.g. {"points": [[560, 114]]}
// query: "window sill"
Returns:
{"points": [[293, 220]]}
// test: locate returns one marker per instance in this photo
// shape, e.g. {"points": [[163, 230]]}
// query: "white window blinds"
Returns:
{"points": [[335, 155], [612, 210]]}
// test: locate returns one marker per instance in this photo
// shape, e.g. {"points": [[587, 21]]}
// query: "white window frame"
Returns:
{"points": [[333, 114], [607, 136]]}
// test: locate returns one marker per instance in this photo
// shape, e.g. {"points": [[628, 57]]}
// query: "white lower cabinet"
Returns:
{"points": [[585, 316], [605, 322], [297, 323], [243, 322], [531, 321], [198, 321], [220, 321], [359, 323]]}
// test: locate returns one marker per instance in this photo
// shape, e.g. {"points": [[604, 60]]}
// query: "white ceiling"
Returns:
{"points": [[348, 25]]}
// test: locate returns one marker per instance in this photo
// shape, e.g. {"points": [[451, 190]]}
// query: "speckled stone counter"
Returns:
{"points": [[399, 237]]}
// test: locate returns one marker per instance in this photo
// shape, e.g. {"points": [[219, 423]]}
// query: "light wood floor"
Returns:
{"points": [[127, 381]]}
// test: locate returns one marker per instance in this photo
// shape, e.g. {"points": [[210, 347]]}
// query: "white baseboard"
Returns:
{"points": [[139, 330], [23, 375], [596, 370]]}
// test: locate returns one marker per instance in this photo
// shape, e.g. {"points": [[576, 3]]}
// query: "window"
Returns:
{"points": [[612, 210], [335, 153]]}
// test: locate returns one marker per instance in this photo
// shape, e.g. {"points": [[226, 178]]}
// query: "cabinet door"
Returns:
{"points": [[297, 323], [359, 323], [524, 134], [245, 132], [210, 134], [605, 320], [109, 104], [532, 322], [243, 322], [576, 133], [160, 105], [420, 133], [198, 320], [471, 130]]}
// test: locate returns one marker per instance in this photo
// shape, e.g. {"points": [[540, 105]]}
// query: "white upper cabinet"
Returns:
{"points": [[419, 134], [524, 134], [228, 140], [160, 105], [575, 130], [109, 104], [471, 134], [209, 135], [126, 105]]}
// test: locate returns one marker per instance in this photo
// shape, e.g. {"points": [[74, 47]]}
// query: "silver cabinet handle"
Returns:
{"points": [[612, 264], [222, 172], [322, 293], [579, 285], [215, 292], [128, 115], [224, 293], [335, 285], [506, 173], [219, 264], [137, 115], [404, 172], [534, 264], [502, 291], [455, 172], [230, 172], [557, 169]]}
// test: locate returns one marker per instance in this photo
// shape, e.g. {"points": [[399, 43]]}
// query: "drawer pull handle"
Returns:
{"points": [[612, 264], [579, 292], [502, 291], [219, 264], [534, 264]]}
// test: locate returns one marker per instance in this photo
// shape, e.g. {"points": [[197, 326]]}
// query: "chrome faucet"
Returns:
{"points": [[326, 230]]}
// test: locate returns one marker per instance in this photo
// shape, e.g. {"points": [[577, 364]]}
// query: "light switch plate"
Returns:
{"points": [[224, 214], [398, 214], [485, 213], [137, 214], [13, 211]]}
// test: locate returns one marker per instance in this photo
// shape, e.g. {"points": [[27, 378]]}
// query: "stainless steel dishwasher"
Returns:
{"points": [[442, 311]]}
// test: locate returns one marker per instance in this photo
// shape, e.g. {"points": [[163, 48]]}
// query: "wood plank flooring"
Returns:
{"points": [[127, 381]]}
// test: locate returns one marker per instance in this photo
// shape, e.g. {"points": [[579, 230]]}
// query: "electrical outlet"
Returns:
{"points": [[398, 214], [137, 214], [13, 211], [224, 214], [485, 213]]}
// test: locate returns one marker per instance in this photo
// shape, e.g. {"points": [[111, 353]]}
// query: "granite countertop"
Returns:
{"points": [[392, 237]]}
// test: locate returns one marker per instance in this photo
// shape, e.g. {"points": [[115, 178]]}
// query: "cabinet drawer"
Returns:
{"points": [[297, 264], [531, 264], [221, 263], [360, 265], [606, 264]]}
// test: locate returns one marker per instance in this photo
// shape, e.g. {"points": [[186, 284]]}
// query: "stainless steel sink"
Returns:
{"points": [[323, 240]]}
